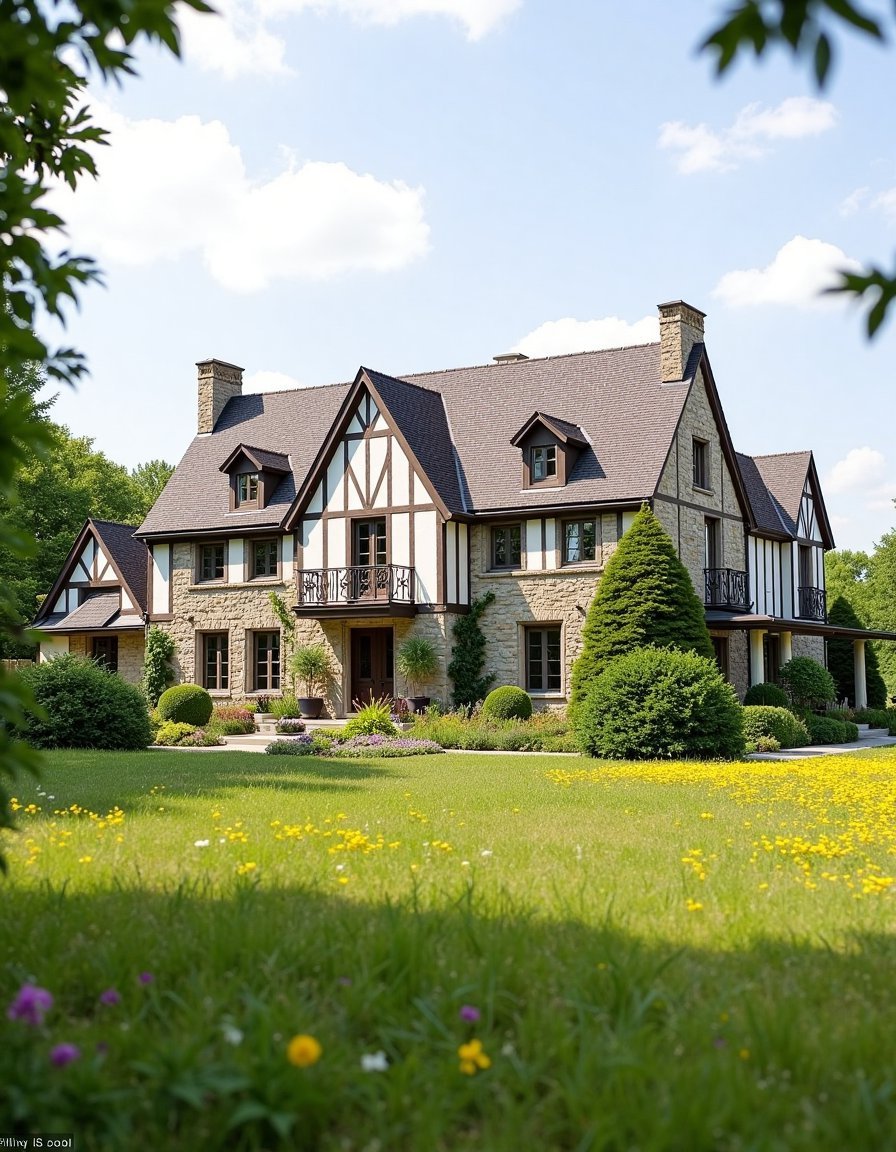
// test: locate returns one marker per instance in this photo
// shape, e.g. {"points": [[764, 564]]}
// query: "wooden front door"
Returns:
{"points": [[372, 664]]}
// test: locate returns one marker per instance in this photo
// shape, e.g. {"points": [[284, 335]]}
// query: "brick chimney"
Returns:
{"points": [[218, 383], [681, 327]]}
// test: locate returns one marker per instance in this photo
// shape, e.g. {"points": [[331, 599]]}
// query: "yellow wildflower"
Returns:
{"points": [[303, 1051], [472, 1058]]}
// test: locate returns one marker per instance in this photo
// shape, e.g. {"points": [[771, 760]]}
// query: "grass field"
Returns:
{"points": [[653, 957]]}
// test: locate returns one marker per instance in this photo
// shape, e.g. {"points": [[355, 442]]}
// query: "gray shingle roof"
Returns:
{"points": [[96, 611], [129, 554], [767, 512], [785, 477], [615, 397]]}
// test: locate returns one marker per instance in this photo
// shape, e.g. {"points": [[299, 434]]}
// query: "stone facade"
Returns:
{"points": [[681, 327], [218, 383], [811, 646], [131, 646]]}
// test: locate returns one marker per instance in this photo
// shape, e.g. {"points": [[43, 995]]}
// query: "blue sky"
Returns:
{"points": [[422, 184]]}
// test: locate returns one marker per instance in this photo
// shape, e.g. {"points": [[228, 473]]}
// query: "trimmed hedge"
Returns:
{"points": [[655, 703], [185, 704], [830, 730], [85, 706], [507, 703], [769, 694], [780, 723]]}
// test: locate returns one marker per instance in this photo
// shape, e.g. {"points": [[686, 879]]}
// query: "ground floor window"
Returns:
{"points": [[266, 661], [215, 661], [544, 660], [771, 656], [105, 651], [720, 651]]}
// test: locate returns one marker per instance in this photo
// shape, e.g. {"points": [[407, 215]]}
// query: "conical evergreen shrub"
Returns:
{"points": [[840, 659], [645, 596]]}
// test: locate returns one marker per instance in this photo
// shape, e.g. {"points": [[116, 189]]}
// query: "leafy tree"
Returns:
{"points": [[806, 28], [146, 483], [645, 596], [46, 55], [840, 659], [807, 683]]}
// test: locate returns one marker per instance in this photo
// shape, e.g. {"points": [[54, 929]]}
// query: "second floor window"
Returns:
{"points": [[506, 546], [579, 541], [247, 488], [264, 558], [211, 562], [544, 462], [701, 464]]}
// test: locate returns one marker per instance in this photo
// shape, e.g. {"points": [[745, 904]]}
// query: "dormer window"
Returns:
{"points": [[247, 488], [544, 462], [550, 448]]}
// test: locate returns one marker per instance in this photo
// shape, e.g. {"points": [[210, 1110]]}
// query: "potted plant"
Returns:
{"points": [[310, 664], [417, 663]]}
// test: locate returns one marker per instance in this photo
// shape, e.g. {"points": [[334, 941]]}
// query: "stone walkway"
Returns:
{"points": [[868, 738]]}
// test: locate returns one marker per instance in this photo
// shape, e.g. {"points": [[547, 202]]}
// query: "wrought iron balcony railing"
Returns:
{"points": [[813, 604], [375, 584], [726, 588]]}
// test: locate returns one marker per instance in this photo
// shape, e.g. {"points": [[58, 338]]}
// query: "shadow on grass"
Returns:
{"points": [[598, 1040]]}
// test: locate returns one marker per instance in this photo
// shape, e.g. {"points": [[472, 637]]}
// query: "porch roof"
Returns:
{"points": [[99, 612], [751, 622]]}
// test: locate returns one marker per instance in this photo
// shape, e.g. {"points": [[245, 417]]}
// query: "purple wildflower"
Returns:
{"points": [[146, 977], [64, 1054], [111, 997], [469, 1013], [344, 981], [30, 1005]]}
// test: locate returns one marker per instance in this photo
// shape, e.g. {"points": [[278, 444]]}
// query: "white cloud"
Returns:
{"points": [[797, 276], [850, 204], [478, 17], [233, 41], [270, 382], [168, 189], [860, 468], [886, 202], [701, 149], [556, 337]]}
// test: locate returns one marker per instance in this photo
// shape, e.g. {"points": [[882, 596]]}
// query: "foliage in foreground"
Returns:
{"points": [[656, 703], [645, 596], [84, 706]]}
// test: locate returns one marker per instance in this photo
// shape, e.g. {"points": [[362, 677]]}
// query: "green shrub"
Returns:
{"points": [[660, 703], [829, 730], [780, 723], [766, 744], [171, 732], [468, 654], [507, 703], [286, 708], [769, 694], [85, 706], [877, 718], [417, 662], [157, 670], [185, 704], [372, 719], [807, 683]]}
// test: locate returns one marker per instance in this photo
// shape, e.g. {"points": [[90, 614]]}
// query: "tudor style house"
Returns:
{"points": [[380, 509]]}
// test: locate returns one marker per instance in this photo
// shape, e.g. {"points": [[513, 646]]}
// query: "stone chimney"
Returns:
{"points": [[681, 327], [218, 383]]}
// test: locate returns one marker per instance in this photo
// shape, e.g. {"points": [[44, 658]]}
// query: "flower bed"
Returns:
{"points": [[375, 745]]}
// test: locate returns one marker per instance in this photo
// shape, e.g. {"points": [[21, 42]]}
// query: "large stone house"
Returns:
{"points": [[380, 509]]}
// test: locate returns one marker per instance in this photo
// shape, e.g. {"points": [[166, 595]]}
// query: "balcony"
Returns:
{"points": [[374, 590], [813, 604], [726, 588]]}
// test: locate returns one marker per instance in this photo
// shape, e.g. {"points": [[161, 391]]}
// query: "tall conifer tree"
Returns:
{"points": [[840, 659], [645, 596]]}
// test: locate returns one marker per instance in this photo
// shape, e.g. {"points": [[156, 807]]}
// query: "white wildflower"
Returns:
{"points": [[374, 1062]]}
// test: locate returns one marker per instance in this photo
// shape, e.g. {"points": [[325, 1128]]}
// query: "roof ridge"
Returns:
{"points": [[402, 380], [775, 455], [114, 523], [531, 360]]}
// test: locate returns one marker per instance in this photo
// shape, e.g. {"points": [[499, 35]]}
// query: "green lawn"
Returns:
{"points": [[663, 956]]}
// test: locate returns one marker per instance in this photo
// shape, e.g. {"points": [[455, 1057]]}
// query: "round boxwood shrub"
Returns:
{"points": [[84, 706], [185, 704], [807, 683], [654, 703], [507, 703], [769, 694], [780, 723]]}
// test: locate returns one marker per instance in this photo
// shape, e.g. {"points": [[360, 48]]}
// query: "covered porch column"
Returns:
{"points": [[786, 647], [757, 658], [858, 663]]}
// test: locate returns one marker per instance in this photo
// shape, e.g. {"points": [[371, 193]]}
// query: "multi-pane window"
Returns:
{"points": [[247, 488], [211, 562], [544, 660], [264, 558], [701, 464], [544, 462], [215, 661], [712, 542], [266, 661], [579, 541], [507, 546], [105, 651], [370, 543]]}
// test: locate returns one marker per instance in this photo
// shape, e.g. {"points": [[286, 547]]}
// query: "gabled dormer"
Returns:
{"points": [[550, 447], [254, 475]]}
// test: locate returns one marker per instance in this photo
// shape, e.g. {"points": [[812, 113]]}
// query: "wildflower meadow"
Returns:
{"points": [[203, 950]]}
